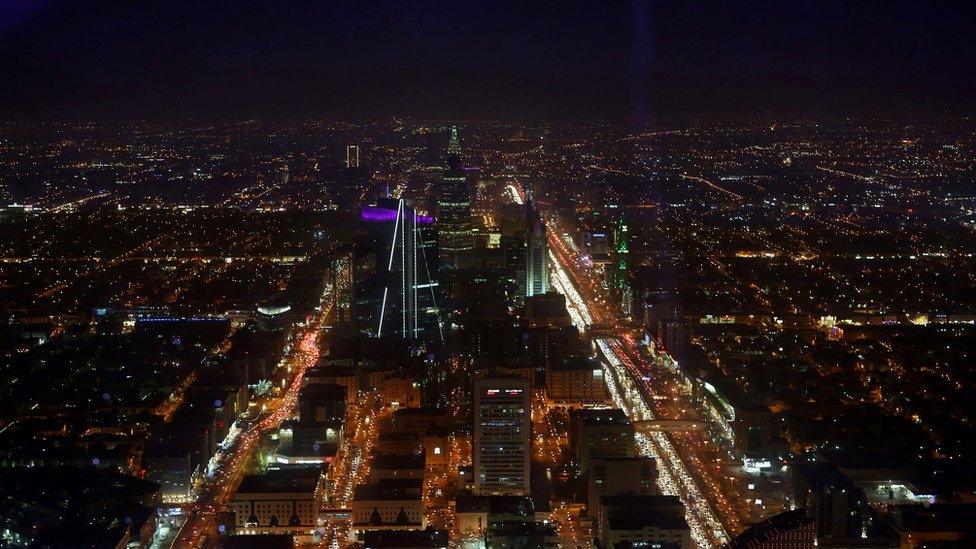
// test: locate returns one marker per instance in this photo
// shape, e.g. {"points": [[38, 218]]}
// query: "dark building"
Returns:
{"points": [[548, 309], [640, 519], [939, 525], [405, 539], [787, 530], [319, 404], [841, 513], [75, 507], [454, 208], [521, 535], [600, 433]]}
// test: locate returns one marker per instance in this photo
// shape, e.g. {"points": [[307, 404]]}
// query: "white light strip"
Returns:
{"points": [[379, 329], [396, 226], [515, 195], [403, 271]]}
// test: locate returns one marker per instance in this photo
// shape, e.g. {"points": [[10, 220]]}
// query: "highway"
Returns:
{"points": [[589, 307]]}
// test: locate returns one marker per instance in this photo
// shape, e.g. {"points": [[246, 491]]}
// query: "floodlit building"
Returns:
{"points": [[575, 381], [501, 436], [278, 501], [536, 253]]}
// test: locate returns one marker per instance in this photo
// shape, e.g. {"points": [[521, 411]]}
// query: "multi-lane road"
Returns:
{"points": [[229, 466], [711, 517]]}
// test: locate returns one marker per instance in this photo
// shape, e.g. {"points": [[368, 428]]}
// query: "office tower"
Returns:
{"points": [[501, 436], [536, 253], [342, 289], [401, 297], [453, 208], [352, 156]]}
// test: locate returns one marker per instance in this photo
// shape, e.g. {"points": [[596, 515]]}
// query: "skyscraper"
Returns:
{"points": [[352, 156], [501, 436], [536, 253], [621, 247], [453, 208], [403, 295], [342, 270]]}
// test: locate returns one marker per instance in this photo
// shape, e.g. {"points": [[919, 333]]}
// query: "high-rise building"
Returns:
{"points": [[352, 156], [401, 297], [621, 248], [536, 252], [342, 289], [454, 208], [501, 436]]}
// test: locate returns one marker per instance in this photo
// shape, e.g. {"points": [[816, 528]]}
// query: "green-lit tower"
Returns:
{"points": [[621, 243]]}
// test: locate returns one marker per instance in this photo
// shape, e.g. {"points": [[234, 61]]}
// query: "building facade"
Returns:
{"points": [[536, 253], [501, 436]]}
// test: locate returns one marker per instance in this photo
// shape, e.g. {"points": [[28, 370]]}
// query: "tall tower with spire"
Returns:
{"points": [[454, 144], [453, 208]]}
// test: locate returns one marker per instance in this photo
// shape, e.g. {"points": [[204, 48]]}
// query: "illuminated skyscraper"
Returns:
{"points": [[402, 299], [621, 247], [501, 436], [453, 208], [536, 252]]}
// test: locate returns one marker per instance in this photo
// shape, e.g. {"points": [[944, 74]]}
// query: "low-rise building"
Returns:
{"points": [[522, 535], [643, 519], [427, 538], [386, 466], [613, 476], [787, 530], [278, 501], [600, 433], [389, 504], [576, 381], [475, 513]]}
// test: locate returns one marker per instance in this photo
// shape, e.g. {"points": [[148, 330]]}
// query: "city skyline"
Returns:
{"points": [[487, 275]]}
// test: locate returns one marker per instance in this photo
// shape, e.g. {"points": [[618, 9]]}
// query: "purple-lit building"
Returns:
{"points": [[399, 295]]}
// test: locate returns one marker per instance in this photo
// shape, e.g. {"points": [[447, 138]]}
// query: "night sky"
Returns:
{"points": [[609, 60]]}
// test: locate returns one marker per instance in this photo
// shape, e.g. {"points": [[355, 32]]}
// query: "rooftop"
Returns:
{"points": [[301, 481]]}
